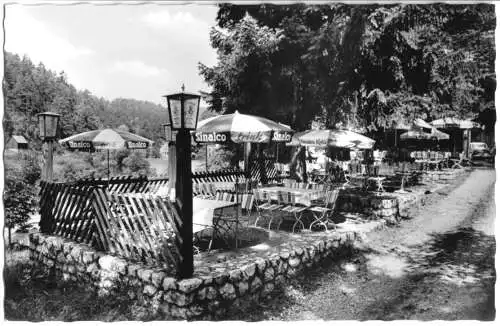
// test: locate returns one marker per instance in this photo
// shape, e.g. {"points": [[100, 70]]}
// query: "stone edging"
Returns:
{"points": [[202, 297]]}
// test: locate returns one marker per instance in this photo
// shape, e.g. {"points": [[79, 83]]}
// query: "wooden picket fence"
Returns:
{"points": [[135, 224], [127, 184], [226, 175], [140, 227], [230, 175], [66, 210], [271, 173]]}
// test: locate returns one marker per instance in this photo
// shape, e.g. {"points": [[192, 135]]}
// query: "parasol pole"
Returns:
{"points": [[237, 212], [108, 166], [206, 157]]}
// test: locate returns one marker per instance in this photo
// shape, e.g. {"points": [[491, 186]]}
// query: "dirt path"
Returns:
{"points": [[438, 265]]}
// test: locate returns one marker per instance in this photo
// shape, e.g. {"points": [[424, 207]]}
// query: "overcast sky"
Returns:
{"points": [[132, 51]]}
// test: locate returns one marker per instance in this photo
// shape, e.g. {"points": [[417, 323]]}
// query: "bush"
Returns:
{"points": [[220, 158], [73, 166], [136, 164], [20, 193]]}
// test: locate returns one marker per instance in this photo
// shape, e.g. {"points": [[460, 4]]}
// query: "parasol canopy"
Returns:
{"points": [[420, 134], [450, 122], [241, 128], [335, 138], [417, 123], [416, 134], [106, 139], [439, 135]]}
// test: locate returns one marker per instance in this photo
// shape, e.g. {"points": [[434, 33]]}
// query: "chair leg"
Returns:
{"points": [[258, 217], [270, 220], [298, 217]]}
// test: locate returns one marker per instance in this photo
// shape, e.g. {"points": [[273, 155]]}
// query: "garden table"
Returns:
{"points": [[219, 215], [303, 196], [378, 183], [358, 180], [204, 212]]}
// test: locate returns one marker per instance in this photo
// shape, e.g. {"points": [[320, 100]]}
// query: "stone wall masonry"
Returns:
{"points": [[393, 206], [208, 295]]}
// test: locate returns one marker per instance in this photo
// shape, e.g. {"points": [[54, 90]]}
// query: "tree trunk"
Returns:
{"points": [[298, 164], [302, 162], [293, 162], [262, 167]]}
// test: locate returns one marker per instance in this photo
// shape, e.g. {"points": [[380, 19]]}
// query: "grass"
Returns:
{"points": [[31, 295]]}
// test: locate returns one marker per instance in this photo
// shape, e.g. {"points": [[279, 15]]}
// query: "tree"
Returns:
{"points": [[362, 65]]}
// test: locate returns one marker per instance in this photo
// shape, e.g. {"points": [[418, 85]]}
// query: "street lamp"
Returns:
{"points": [[183, 111], [47, 125]]}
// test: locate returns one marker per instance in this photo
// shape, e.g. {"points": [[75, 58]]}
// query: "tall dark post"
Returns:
{"points": [[183, 193], [49, 161], [183, 109]]}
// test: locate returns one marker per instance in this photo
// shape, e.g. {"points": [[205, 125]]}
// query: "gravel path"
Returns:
{"points": [[438, 265]]}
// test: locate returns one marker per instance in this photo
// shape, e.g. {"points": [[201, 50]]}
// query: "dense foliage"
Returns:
{"points": [[30, 89], [362, 66], [71, 166]]}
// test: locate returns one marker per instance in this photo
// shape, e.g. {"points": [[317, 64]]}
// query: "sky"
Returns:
{"points": [[140, 51]]}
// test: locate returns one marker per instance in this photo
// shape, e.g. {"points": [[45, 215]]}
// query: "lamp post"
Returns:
{"points": [[47, 124], [183, 112]]}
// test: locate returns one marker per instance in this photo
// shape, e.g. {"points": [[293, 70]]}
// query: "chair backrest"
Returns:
{"points": [[292, 198], [317, 186], [227, 196], [247, 201], [260, 196], [331, 198], [283, 197], [219, 195]]}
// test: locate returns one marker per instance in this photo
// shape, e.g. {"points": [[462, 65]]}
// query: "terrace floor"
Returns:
{"points": [[277, 240]]}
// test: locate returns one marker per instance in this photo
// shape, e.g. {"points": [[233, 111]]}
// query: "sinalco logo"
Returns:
{"points": [[282, 136], [137, 144], [210, 138], [79, 144]]}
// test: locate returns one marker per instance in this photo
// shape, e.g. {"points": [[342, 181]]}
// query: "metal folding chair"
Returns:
{"points": [[294, 209], [263, 205], [321, 213]]}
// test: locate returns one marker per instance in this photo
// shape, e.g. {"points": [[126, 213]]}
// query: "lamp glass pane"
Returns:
{"points": [[168, 133], [41, 126], [190, 113], [175, 113], [51, 125]]}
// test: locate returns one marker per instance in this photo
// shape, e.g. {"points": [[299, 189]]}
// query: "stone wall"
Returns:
{"points": [[371, 205], [392, 206], [205, 296]]}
